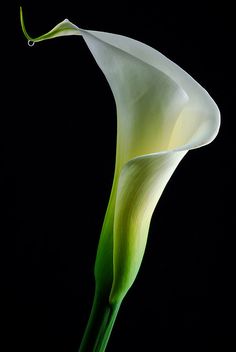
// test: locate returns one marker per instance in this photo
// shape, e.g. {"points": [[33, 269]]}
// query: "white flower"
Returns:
{"points": [[162, 113]]}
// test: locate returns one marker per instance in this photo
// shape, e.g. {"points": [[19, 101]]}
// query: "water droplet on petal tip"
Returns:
{"points": [[30, 42]]}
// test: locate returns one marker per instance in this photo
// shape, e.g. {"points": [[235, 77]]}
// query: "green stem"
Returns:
{"points": [[100, 324]]}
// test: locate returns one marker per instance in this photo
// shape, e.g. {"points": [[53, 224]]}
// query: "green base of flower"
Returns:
{"points": [[100, 324]]}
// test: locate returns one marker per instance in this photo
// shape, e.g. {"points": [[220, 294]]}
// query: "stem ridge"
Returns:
{"points": [[100, 324]]}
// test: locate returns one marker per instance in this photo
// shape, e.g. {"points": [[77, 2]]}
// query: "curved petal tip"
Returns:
{"points": [[63, 28]]}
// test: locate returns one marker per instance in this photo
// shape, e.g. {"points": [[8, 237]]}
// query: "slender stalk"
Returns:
{"points": [[100, 324]]}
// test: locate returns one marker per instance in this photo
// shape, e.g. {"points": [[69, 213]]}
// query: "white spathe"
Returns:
{"points": [[162, 112]]}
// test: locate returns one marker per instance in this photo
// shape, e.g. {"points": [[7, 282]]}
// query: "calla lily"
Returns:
{"points": [[162, 113]]}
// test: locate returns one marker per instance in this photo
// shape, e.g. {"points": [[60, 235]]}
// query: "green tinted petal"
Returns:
{"points": [[64, 28], [162, 112], [141, 184]]}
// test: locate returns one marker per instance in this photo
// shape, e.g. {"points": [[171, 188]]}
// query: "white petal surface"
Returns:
{"points": [[162, 113], [141, 184]]}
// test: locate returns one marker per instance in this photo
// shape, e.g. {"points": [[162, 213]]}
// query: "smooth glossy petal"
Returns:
{"points": [[141, 184], [162, 113]]}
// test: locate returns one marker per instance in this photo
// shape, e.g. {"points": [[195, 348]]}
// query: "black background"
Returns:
{"points": [[58, 131]]}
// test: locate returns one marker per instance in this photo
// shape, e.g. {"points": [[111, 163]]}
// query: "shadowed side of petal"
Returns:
{"points": [[200, 109], [148, 101], [141, 184]]}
